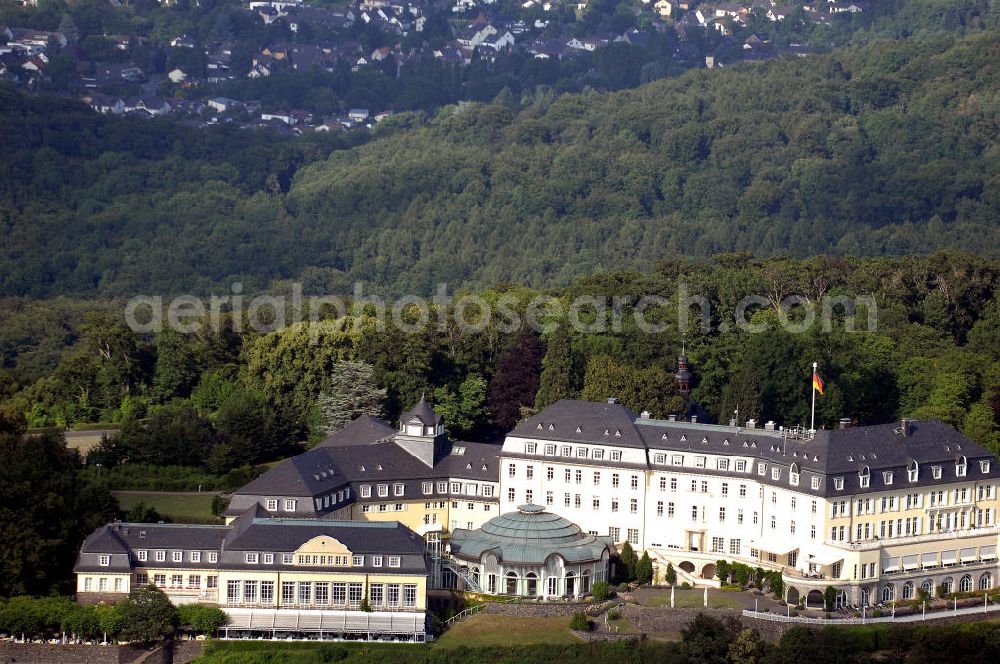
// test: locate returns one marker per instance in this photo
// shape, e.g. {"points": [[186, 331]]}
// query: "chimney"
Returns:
{"points": [[645, 415], [751, 424], [770, 426], [907, 427], [845, 423], [672, 417], [612, 399], [694, 419], [732, 421]]}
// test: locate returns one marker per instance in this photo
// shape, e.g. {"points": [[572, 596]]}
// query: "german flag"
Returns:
{"points": [[817, 383]]}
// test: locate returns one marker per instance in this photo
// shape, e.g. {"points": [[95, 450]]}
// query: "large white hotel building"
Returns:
{"points": [[877, 511]]}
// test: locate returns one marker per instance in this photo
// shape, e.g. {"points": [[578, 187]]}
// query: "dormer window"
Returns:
{"points": [[887, 477], [936, 472], [618, 433], [616, 455], [550, 450], [366, 491], [961, 466], [762, 469], [660, 459], [383, 490], [290, 505], [579, 430], [567, 451], [397, 489], [984, 466], [529, 448], [793, 475], [913, 472], [105, 561], [865, 477], [838, 483], [272, 505], [814, 483]]}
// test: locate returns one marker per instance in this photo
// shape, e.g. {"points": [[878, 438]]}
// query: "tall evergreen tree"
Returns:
{"points": [[515, 383], [351, 391], [556, 381]]}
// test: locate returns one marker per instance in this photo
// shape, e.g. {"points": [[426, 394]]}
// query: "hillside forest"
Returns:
{"points": [[884, 149]]}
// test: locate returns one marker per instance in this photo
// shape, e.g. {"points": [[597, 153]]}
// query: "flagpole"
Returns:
{"points": [[812, 421]]}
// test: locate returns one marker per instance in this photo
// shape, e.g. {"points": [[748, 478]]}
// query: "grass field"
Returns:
{"points": [[694, 599], [178, 507], [496, 630]]}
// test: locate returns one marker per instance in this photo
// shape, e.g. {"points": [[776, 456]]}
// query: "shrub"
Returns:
{"points": [[579, 622], [623, 587], [614, 614], [602, 591], [671, 574], [202, 619], [685, 586]]}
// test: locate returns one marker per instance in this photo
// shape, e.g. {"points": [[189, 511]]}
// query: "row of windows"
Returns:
{"points": [[427, 488], [311, 593], [142, 555], [700, 461], [965, 584], [177, 581], [632, 535], [913, 473], [579, 452], [104, 584], [937, 499], [288, 504], [341, 560], [719, 545]]}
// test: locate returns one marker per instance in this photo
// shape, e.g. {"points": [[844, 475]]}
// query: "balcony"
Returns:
{"points": [[874, 544]]}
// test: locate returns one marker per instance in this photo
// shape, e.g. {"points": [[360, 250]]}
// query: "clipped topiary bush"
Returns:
{"points": [[579, 622]]}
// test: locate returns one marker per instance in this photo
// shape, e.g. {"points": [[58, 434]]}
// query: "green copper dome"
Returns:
{"points": [[529, 535]]}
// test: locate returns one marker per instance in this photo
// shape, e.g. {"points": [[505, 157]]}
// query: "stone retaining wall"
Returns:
{"points": [[168, 652], [534, 610]]}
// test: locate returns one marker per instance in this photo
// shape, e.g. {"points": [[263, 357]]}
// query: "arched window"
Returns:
{"points": [[793, 475], [532, 579], [961, 465], [864, 597], [585, 582], [965, 584], [986, 581], [908, 590], [511, 585], [947, 585], [928, 587], [888, 593], [865, 477], [913, 471]]}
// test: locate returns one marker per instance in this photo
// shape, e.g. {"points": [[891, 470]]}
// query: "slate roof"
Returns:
{"points": [[311, 473], [385, 537], [830, 453], [583, 422], [423, 412], [529, 535], [363, 430]]}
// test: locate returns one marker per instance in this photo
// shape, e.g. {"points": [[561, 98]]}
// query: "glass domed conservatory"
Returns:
{"points": [[529, 553]]}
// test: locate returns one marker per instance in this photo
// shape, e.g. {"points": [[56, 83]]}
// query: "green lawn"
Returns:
{"points": [[178, 507], [695, 599], [497, 630]]}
